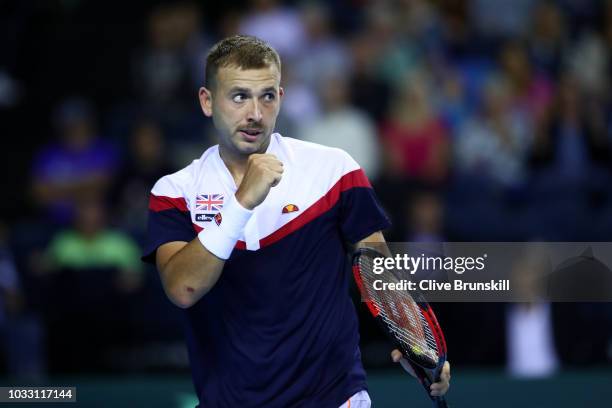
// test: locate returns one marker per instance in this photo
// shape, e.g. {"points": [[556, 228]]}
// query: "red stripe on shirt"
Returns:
{"points": [[356, 178], [161, 203]]}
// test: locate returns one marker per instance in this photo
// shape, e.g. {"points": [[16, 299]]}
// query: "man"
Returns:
{"points": [[264, 280]]}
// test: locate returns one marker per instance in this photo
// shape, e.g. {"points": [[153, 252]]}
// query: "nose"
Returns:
{"points": [[254, 113]]}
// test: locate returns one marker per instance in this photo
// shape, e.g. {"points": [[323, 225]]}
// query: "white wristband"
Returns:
{"points": [[225, 229]]}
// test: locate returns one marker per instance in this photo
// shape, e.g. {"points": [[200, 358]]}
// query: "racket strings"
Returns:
{"points": [[425, 340], [409, 336], [400, 314]]}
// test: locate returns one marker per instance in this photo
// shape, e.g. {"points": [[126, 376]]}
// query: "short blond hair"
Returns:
{"points": [[242, 51]]}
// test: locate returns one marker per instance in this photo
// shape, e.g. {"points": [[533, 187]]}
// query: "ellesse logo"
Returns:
{"points": [[218, 218], [289, 208]]}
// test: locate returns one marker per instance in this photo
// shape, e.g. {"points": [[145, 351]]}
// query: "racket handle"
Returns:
{"points": [[426, 381], [439, 402]]}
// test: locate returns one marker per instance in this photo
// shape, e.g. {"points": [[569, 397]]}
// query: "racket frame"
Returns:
{"points": [[425, 376]]}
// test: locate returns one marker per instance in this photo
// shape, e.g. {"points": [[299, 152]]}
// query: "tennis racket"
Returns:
{"points": [[406, 318]]}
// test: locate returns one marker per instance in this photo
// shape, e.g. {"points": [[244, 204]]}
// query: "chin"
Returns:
{"points": [[243, 147], [249, 147]]}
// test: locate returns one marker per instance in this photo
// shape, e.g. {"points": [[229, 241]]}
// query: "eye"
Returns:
{"points": [[238, 98], [268, 97]]}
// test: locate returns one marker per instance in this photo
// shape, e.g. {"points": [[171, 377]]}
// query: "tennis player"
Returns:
{"points": [[250, 240]]}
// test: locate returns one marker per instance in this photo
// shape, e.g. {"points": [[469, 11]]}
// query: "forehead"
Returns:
{"points": [[232, 76]]}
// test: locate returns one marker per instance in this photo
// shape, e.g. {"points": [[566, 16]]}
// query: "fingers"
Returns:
{"points": [[441, 387], [266, 166], [272, 163], [263, 172], [275, 172], [265, 159], [277, 179], [269, 164], [437, 389], [446, 371], [397, 357]]}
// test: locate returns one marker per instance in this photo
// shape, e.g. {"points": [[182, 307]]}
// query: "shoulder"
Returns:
{"points": [[178, 183], [310, 154], [173, 185]]}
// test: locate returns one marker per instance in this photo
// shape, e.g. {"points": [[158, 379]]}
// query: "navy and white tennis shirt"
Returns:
{"points": [[279, 328]]}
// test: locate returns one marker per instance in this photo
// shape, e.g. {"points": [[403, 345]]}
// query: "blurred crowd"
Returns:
{"points": [[480, 120]]}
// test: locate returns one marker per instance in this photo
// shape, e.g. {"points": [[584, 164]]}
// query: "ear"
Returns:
{"points": [[281, 91], [205, 96]]}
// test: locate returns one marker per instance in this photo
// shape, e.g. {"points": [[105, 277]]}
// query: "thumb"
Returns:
{"points": [[397, 357]]}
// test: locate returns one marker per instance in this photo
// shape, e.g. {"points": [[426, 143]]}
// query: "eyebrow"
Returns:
{"points": [[247, 91], [269, 89], [237, 89]]}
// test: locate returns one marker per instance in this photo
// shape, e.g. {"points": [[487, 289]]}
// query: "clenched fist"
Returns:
{"points": [[263, 172]]}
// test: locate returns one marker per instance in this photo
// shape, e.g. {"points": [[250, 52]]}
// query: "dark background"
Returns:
{"points": [[475, 121]]}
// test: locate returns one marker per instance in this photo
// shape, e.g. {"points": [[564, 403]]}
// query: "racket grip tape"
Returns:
{"points": [[440, 402]]}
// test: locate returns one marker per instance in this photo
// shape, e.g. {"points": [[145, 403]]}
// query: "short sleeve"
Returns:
{"points": [[361, 214], [169, 220]]}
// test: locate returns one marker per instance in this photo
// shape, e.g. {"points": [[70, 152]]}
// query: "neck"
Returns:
{"points": [[235, 163]]}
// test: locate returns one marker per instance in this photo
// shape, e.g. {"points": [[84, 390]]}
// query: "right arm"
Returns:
{"points": [[189, 270]]}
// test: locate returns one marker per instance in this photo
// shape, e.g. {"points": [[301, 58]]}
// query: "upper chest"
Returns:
{"points": [[295, 201]]}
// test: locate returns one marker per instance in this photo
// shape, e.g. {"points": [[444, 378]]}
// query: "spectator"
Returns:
{"points": [[278, 25], [414, 135], [494, 144], [21, 333], [458, 40], [548, 38], [501, 19], [590, 61], [344, 126], [572, 140], [10, 292], [323, 54], [79, 164], [420, 20], [395, 54], [425, 216], [369, 92], [91, 244], [532, 91], [529, 324], [166, 68], [144, 164], [300, 104], [451, 99], [94, 275], [163, 70]]}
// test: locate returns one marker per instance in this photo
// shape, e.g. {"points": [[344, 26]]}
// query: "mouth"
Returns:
{"points": [[251, 135]]}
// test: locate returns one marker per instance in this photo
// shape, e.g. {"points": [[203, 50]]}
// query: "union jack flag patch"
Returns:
{"points": [[209, 202]]}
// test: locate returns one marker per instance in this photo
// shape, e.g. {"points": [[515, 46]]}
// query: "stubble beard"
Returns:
{"points": [[239, 148]]}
